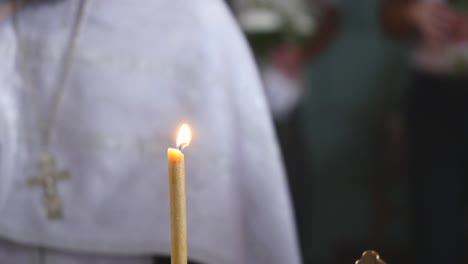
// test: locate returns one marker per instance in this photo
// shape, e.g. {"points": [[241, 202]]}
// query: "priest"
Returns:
{"points": [[92, 93]]}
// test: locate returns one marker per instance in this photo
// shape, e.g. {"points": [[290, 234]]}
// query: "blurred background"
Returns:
{"points": [[337, 84]]}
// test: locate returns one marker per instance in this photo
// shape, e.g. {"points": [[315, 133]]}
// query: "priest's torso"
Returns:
{"points": [[136, 72]]}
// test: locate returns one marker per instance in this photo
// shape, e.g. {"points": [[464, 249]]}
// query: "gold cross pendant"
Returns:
{"points": [[48, 178]]}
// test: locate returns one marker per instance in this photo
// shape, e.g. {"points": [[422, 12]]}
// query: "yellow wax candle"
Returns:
{"points": [[178, 198]]}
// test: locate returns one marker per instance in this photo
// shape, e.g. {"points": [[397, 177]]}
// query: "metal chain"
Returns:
{"points": [[63, 77]]}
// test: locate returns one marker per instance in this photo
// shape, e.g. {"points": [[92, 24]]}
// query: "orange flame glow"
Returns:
{"points": [[184, 137]]}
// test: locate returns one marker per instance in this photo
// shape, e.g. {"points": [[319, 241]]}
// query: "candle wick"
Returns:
{"points": [[181, 146]]}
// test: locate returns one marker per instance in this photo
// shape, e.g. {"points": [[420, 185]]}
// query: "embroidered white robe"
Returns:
{"points": [[140, 69]]}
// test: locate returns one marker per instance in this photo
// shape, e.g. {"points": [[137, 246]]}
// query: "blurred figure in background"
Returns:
{"points": [[272, 26], [437, 124], [349, 67], [98, 88]]}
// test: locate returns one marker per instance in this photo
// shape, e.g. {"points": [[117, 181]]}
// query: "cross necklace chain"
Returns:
{"points": [[47, 172]]}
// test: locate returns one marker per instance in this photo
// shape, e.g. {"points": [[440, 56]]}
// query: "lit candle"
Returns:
{"points": [[177, 196]]}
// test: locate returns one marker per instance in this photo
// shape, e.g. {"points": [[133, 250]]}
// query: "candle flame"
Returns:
{"points": [[184, 137]]}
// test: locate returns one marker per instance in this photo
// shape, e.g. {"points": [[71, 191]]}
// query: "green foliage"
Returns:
{"points": [[460, 65], [460, 4]]}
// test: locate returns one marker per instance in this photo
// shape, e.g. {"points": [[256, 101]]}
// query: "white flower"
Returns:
{"points": [[260, 20], [303, 24]]}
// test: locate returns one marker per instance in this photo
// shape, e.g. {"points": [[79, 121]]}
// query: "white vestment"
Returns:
{"points": [[12, 253], [139, 70]]}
